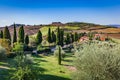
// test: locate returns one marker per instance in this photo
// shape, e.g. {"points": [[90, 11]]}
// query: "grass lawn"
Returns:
{"points": [[50, 70]]}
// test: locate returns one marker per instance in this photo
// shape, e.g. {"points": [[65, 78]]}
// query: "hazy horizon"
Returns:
{"points": [[30, 12]]}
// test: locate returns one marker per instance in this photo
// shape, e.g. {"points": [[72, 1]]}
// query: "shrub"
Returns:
{"points": [[3, 55], [18, 47], [24, 70], [11, 55], [21, 47], [6, 44], [97, 61]]}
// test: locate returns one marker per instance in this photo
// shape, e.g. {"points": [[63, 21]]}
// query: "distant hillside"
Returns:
{"points": [[18, 25], [30, 30], [115, 25]]}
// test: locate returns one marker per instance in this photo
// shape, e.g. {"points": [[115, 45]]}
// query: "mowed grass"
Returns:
{"points": [[51, 69]]}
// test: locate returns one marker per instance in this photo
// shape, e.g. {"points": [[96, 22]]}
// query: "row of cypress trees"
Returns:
{"points": [[21, 39], [59, 38]]}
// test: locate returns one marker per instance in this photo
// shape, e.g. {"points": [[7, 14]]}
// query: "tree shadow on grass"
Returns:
{"points": [[52, 77], [68, 60]]}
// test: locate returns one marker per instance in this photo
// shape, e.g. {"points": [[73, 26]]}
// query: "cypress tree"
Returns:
{"points": [[27, 39], [62, 38], [72, 38], [76, 36], [1, 34], [53, 37], [6, 34], [67, 40], [58, 36], [39, 37], [21, 34], [14, 35], [59, 56], [49, 38]]}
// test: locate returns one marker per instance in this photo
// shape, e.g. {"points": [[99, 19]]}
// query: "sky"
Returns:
{"points": [[47, 11]]}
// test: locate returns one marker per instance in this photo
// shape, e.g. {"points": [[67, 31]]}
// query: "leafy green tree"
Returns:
{"points": [[27, 39], [76, 36], [6, 34], [1, 34], [58, 36], [39, 37], [21, 34], [53, 37], [14, 35], [49, 38], [62, 38]]}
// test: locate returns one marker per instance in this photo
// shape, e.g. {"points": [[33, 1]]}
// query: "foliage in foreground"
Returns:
{"points": [[24, 69], [3, 55], [56, 52], [98, 61]]}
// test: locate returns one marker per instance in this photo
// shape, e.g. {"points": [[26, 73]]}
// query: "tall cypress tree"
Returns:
{"points": [[59, 56], [58, 36], [53, 37], [76, 36], [49, 38], [67, 40], [14, 35], [6, 34], [1, 34], [72, 38], [27, 39], [21, 34], [61, 37], [39, 37]]}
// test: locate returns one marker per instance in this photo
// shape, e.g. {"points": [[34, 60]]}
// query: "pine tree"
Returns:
{"points": [[27, 39], [6, 34], [21, 34], [39, 37], [14, 35], [58, 36], [49, 38], [53, 37], [62, 38], [1, 34]]}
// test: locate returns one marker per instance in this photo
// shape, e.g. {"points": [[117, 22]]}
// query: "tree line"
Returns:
{"points": [[22, 38], [58, 37]]}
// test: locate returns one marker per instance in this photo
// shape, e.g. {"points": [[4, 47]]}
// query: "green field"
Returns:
{"points": [[48, 66]]}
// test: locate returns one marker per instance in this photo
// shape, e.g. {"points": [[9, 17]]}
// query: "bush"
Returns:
{"points": [[24, 69], [11, 55], [97, 61], [3, 55], [18, 47], [6, 44], [56, 52], [21, 47], [40, 48]]}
